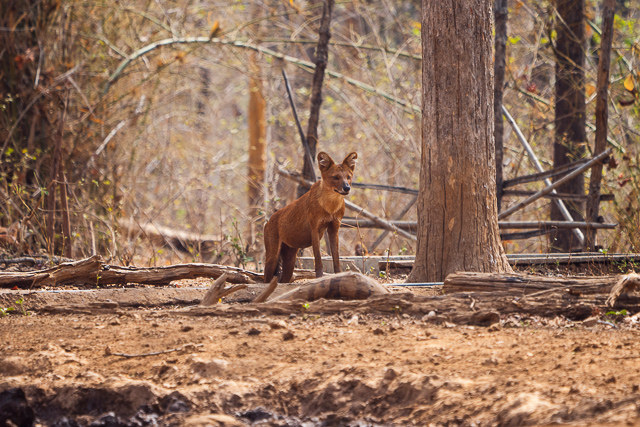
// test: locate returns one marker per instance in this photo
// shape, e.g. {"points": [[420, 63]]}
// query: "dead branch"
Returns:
{"points": [[213, 294], [627, 283], [267, 292], [107, 351]]}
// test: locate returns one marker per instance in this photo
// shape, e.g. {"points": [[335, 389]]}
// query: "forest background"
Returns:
{"points": [[117, 115]]}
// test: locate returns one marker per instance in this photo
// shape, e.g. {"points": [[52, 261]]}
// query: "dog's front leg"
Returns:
{"points": [[315, 243], [332, 231]]}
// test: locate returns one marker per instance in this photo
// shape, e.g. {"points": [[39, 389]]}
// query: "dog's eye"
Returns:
{"points": [[336, 178]]}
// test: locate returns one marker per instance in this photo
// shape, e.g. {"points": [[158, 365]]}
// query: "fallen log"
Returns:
{"points": [[68, 273], [118, 275], [461, 308], [627, 283], [94, 272], [343, 286], [525, 284]]}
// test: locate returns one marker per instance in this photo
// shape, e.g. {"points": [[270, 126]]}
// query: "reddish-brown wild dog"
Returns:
{"points": [[302, 223]]}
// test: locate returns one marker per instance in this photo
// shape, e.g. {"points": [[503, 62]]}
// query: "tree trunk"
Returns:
{"points": [[500, 12], [257, 157], [257, 150], [570, 131], [457, 209], [320, 59], [602, 117]]}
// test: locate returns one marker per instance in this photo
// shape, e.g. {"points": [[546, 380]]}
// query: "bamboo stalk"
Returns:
{"points": [[536, 163], [555, 185], [399, 217], [553, 224], [563, 196], [542, 175]]}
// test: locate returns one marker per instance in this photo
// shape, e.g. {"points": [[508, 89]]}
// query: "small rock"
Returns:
{"points": [[292, 316], [492, 361], [278, 324], [426, 316], [65, 422], [114, 322], [433, 337], [288, 336], [390, 375], [610, 380], [254, 332], [378, 331], [213, 420], [589, 322], [494, 328], [186, 328], [108, 420]]}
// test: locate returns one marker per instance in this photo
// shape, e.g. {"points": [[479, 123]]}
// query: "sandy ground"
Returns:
{"points": [[295, 369]]}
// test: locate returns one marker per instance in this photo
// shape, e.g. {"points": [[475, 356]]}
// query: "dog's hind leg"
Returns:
{"points": [[288, 256], [272, 255]]}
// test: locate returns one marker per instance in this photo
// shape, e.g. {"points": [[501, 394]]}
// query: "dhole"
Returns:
{"points": [[302, 223]]}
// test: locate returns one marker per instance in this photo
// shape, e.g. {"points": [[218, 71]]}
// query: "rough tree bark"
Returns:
{"points": [[257, 152], [501, 13], [602, 118], [570, 107], [457, 209], [257, 155], [320, 59]]}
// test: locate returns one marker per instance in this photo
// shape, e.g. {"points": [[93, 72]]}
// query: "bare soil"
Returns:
{"points": [[297, 369]]}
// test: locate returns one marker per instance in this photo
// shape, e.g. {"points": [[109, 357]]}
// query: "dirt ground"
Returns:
{"points": [[294, 369]]}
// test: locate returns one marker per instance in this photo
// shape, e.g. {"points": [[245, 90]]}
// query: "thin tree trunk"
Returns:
{"points": [[64, 207], [570, 109], [55, 166], [320, 59], [257, 157], [257, 148], [602, 117], [457, 209], [501, 14]]}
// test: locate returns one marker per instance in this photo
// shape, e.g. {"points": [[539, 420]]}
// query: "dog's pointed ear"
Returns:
{"points": [[350, 160], [324, 161]]}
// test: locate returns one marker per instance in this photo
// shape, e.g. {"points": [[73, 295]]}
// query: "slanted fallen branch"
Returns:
{"points": [[218, 291], [267, 291]]}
